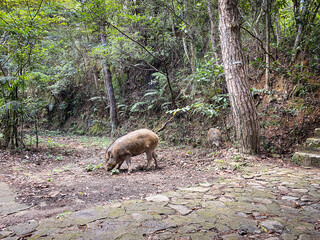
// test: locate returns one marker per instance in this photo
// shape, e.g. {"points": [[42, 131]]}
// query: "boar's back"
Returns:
{"points": [[135, 143]]}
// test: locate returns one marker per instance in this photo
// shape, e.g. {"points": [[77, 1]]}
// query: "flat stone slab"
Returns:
{"points": [[196, 189], [24, 228], [289, 198], [181, 209], [8, 205], [158, 198], [272, 225]]}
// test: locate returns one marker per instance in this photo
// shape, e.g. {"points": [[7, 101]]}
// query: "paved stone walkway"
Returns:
{"points": [[264, 203]]}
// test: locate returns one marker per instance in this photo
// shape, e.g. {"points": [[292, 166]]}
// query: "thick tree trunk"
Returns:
{"points": [[109, 86], [212, 30], [244, 112]]}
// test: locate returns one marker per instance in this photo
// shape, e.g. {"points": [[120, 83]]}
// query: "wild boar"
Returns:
{"points": [[130, 145], [214, 137]]}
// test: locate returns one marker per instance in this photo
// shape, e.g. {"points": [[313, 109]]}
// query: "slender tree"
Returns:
{"points": [[212, 30], [267, 76], [244, 112], [108, 84]]}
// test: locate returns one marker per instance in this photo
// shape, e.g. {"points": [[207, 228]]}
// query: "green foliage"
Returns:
{"points": [[60, 215], [204, 89], [91, 167], [114, 171], [155, 99]]}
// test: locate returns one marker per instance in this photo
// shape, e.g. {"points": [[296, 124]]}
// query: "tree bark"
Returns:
{"points": [[300, 19], [267, 76], [185, 48], [278, 30], [212, 30], [244, 112], [109, 86]]}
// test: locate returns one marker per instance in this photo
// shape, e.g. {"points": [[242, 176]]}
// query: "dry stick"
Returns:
{"points": [[165, 124], [259, 41]]}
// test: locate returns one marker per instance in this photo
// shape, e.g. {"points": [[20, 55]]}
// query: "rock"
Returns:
{"points": [[262, 200], [11, 208], [272, 225], [289, 198], [306, 159], [316, 206], [305, 237], [243, 230], [151, 226], [206, 184], [6, 233], [157, 198], [43, 204], [241, 214], [180, 209], [24, 228], [313, 144], [232, 236], [283, 189], [53, 194], [317, 132], [303, 191], [196, 189], [307, 198]]}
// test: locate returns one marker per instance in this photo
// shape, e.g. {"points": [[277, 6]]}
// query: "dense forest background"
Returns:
{"points": [[106, 67]]}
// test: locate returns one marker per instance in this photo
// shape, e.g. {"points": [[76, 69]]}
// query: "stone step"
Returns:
{"points": [[307, 159], [313, 144], [317, 132]]}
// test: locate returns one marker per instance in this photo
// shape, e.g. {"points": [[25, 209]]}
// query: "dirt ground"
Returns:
{"points": [[53, 180]]}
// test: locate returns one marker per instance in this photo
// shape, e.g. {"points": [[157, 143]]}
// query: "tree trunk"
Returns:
{"points": [[267, 76], [300, 19], [212, 30], [95, 77], [109, 86], [244, 112], [185, 47], [278, 30]]}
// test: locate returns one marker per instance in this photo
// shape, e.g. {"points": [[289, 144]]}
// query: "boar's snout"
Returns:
{"points": [[214, 137], [111, 164]]}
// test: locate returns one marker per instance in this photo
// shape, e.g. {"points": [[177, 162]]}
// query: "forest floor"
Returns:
{"points": [[55, 179]]}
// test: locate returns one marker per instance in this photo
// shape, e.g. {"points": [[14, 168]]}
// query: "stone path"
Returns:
{"points": [[264, 203]]}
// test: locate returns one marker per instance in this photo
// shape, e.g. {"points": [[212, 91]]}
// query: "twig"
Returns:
{"points": [[165, 124]]}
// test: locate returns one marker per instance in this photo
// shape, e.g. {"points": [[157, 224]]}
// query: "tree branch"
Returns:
{"points": [[259, 41]]}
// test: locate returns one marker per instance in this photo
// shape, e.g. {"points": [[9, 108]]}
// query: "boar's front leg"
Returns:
{"points": [[119, 165], [128, 161]]}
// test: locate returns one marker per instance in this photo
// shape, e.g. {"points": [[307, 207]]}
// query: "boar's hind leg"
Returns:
{"points": [[150, 155], [154, 155]]}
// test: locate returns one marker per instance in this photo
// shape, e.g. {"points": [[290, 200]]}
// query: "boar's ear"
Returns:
{"points": [[109, 154]]}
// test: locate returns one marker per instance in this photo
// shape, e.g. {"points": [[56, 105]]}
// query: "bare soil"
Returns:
{"points": [[55, 180]]}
